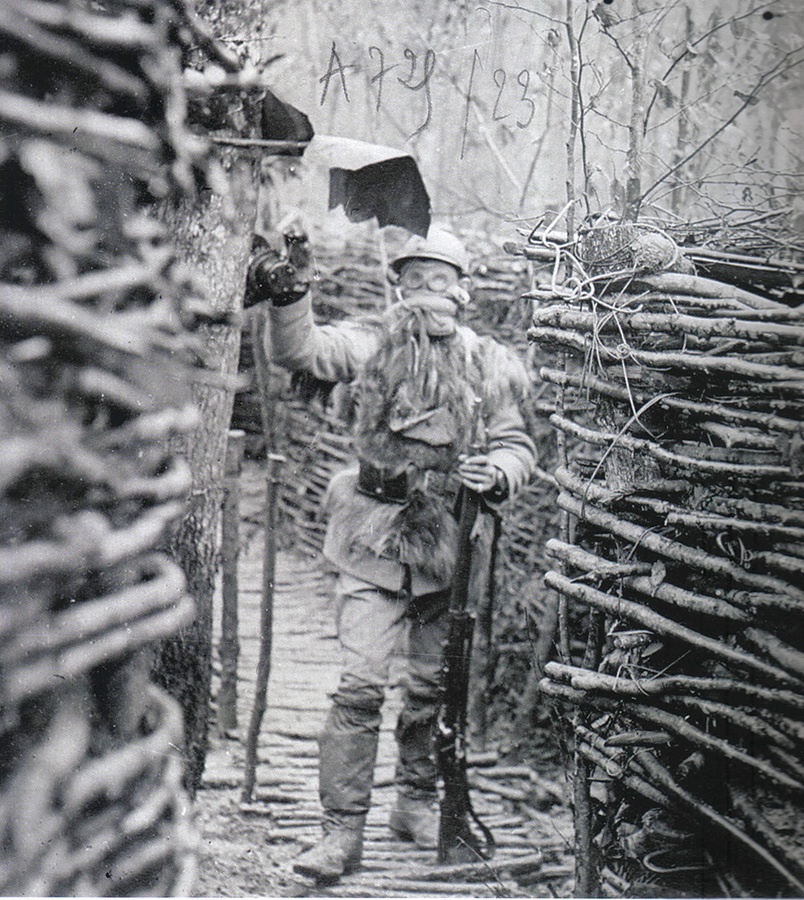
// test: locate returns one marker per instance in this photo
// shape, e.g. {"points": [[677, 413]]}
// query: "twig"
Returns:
{"points": [[696, 464], [716, 523], [681, 324], [65, 121], [674, 514], [584, 680], [670, 593], [766, 732], [267, 146], [659, 774], [647, 618], [680, 727], [779, 376], [115, 32], [594, 566], [72, 55], [40, 312], [483, 783], [782, 654], [477, 871], [29, 679], [783, 596]]}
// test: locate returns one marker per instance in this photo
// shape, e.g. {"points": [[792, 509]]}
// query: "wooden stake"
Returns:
{"points": [[274, 463], [229, 648], [274, 460]]}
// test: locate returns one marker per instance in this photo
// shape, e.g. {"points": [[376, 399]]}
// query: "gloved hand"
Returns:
{"points": [[272, 277]]}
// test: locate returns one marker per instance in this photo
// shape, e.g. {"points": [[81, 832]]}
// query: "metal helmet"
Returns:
{"points": [[439, 244]]}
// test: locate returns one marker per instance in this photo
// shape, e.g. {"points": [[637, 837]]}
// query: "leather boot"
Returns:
{"points": [[347, 752], [337, 853], [416, 819]]}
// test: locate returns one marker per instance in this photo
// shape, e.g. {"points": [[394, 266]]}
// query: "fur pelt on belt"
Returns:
{"points": [[421, 533]]}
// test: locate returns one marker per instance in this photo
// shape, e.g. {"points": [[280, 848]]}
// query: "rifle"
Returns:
{"points": [[457, 842]]}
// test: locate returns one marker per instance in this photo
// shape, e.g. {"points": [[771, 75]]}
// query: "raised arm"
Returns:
{"points": [[328, 352], [293, 340]]}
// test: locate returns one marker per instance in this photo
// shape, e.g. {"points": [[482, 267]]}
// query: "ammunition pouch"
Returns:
{"points": [[388, 485], [381, 483]]}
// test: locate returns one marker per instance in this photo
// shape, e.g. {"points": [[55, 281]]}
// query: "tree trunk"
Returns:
{"points": [[213, 236], [216, 244], [679, 193], [633, 186], [575, 113]]}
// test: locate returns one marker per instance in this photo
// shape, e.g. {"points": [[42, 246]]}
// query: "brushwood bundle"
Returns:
{"points": [[95, 354], [680, 399]]}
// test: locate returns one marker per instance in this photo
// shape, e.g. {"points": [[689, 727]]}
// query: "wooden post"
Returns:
{"points": [[229, 648], [587, 876], [274, 463], [485, 623], [386, 284], [586, 881]]}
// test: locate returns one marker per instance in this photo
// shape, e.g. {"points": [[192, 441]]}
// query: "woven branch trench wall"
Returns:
{"points": [[681, 399], [94, 361]]}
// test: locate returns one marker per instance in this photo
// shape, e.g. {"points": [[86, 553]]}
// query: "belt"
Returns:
{"points": [[388, 485]]}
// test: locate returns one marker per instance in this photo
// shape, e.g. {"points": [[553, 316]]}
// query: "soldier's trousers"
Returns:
{"points": [[374, 627]]}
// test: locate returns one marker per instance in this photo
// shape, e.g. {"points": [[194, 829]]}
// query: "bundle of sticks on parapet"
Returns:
{"points": [[685, 495], [94, 381], [762, 258]]}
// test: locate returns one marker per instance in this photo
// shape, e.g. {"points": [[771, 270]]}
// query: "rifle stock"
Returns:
{"points": [[457, 842]]}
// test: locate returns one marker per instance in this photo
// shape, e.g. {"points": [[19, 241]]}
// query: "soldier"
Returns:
{"points": [[428, 389]]}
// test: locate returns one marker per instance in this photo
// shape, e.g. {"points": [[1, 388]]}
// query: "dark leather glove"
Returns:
{"points": [[272, 277]]}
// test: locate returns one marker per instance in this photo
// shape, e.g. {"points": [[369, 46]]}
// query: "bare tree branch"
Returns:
{"points": [[574, 115], [690, 45], [518, 8], [782, 67]]}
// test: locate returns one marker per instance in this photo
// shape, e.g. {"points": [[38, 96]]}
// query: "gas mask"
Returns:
{"points": [[458, 295]]}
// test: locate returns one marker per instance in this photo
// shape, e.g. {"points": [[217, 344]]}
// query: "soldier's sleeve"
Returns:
{"points": [[509, 445], [328, 352]]}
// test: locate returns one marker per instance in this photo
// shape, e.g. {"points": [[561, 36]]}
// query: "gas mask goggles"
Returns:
{"points": [[431, 282]]}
